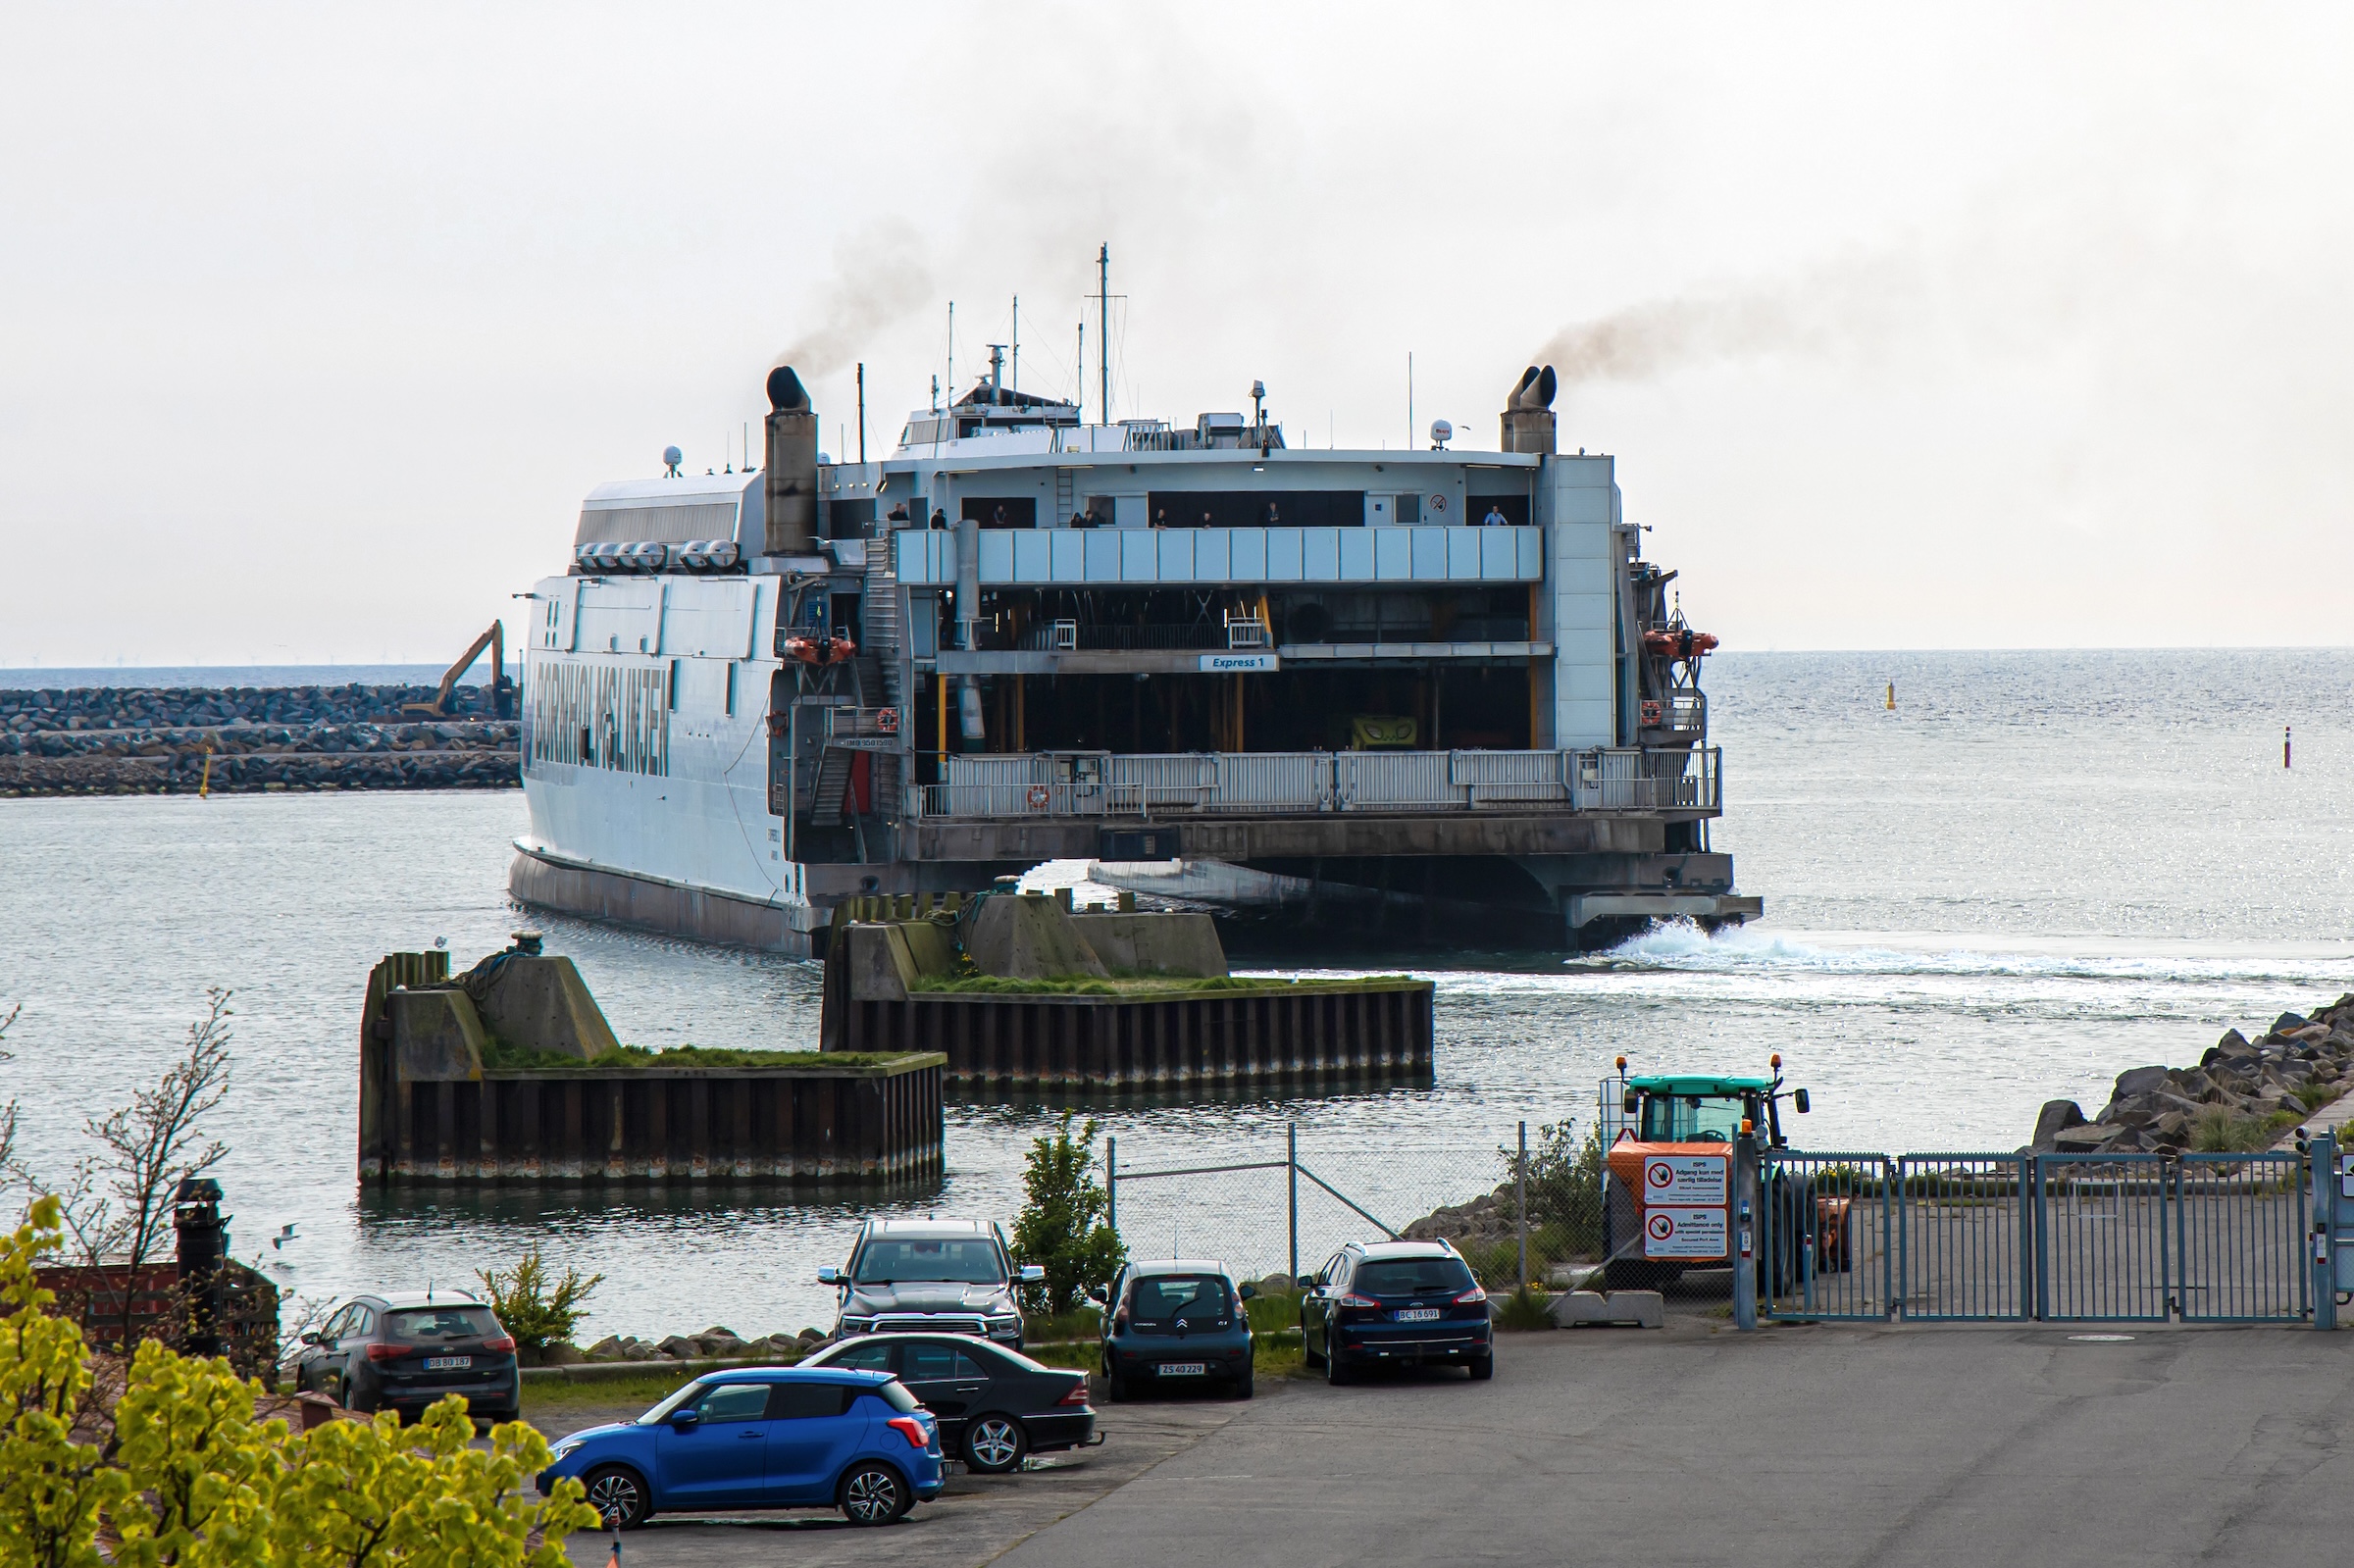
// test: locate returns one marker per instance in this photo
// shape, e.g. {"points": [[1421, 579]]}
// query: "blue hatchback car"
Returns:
{"points": [[762, 1437]]}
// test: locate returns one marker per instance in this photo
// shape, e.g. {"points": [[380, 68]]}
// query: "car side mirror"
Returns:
{"points": [[1031, 1274], [1247, 1292], [314, 1337], [829, 1275], [1630, 1102], [1097, 1295], [1799, 1099], [1307, 1282], [681, 1420]]}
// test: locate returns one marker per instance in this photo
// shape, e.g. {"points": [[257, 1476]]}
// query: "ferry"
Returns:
{"points": [[1413, 696]]}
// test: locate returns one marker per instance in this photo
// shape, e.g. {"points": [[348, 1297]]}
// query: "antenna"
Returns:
{"points": [[1017, 342], [1103, 326], [672, 457], [1409, 399], [951, 350], [747, 447], [863, 413]]}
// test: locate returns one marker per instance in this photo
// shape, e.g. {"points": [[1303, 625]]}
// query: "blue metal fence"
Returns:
{"points": [[2010, 1238]]}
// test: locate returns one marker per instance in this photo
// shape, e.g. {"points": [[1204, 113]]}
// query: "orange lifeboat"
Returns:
{"points": [[1678, 642], [820, 651]]}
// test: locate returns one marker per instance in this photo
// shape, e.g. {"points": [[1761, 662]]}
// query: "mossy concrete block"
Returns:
{"points": [[1029, 936], [1632, 1309], [541, 1003], [437, 1037], [930, 947], [881, 967], [1155, 944]]}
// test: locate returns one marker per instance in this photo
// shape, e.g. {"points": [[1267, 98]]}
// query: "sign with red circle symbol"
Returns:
{"points": [[1684, 1233], [1683, 1177], [1662, 1227]]}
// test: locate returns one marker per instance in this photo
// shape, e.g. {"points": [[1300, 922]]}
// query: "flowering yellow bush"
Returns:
{"points": [[180, 1473]]}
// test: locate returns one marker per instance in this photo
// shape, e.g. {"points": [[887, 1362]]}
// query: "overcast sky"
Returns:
{"points": [[1910, 327]]}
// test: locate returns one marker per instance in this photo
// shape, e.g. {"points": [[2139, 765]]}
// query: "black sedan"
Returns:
{"points": [[994, 1405], [403, 1351]]}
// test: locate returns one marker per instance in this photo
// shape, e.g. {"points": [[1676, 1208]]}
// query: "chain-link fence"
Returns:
{"points": [[1524, 1208]]}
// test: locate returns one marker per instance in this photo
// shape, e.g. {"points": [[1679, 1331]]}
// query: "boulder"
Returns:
{"points": [[2087, 1139], [2288, 1021], [607, 1349], [2143, 1109], [562, 1356], [2056, 1117], [680, 1348], [2138, 1081], [811, 1336]]}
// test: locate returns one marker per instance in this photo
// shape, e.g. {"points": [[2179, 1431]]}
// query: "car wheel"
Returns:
{"points": [[873, 1495], [1335, 1372], [1115, 1388], [994, 1444], [1308, 1351], [618, 1496], [345, 1399], [1483, 1367], [1241, 1385]]}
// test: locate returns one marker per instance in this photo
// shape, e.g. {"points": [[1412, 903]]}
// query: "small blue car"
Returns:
{"points": [[762, 1437]]}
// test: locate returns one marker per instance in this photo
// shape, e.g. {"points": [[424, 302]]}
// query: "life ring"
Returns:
{"points": [[1040, 794]]}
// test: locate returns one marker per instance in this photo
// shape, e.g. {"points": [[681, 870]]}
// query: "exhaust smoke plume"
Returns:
{"points": [[881, 274], [1854, 309]]}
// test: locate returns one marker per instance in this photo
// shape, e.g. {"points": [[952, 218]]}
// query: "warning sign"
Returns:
{"points": [[1683, 1179], [1683, 1233]]}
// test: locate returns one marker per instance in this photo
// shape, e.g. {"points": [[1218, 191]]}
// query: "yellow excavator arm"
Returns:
{"points": [[495, 639]]}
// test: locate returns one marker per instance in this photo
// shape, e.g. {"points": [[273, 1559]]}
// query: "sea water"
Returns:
{"points": [[2038, 869]]}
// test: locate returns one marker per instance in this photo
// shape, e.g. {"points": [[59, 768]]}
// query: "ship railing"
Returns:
{"points": [[1222, 784]]}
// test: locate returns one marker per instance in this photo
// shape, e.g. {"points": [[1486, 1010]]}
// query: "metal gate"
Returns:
{"points": [[2010, 1237]]}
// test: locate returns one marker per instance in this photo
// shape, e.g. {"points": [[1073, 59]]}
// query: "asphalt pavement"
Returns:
{"points": [[1814, 1445]]}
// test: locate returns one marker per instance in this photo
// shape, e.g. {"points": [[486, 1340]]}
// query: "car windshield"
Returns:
{"points": [[1168, 1298], [677, 1397], [433, 1325], [1690, 1118], [1412, 1277], [966, 1261]]}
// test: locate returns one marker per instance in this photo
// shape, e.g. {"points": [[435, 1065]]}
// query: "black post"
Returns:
{"points": [[197, 1216]]}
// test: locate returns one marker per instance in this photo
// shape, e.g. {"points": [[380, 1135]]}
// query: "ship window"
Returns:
{"points": [[674, 684], [1409, 509], [731, 688], [1001, 511]]}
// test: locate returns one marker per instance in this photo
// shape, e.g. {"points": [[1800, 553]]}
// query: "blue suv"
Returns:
{"points": [[762, 1437]]}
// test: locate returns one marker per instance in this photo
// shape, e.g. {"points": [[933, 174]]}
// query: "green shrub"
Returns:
{"points": [[1064, 1226], [1565, 1190], [536, 1308]]}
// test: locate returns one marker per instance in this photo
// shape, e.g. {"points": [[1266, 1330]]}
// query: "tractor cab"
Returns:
{"points": [[1702, 1110]]}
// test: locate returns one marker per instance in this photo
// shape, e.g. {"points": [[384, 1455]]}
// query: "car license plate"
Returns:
{"points": [[1183, 1368], [1418, 1315], [447, 1363]]}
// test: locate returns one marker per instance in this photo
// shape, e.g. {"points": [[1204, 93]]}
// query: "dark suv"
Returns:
{"points": [[930, 1276], [404, 1350], [1396, 1303]]}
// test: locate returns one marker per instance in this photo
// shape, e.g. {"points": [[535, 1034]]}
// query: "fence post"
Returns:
{"points": [[1111, 1184], [1521, 1200], [1290, 1174], [1745, 1262], [2324, 1231]]}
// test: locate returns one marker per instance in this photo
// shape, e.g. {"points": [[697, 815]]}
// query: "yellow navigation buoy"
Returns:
{"points": [[1891, 696]]}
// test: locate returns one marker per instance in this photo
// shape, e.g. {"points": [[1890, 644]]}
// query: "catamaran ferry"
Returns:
{"points": [[1428, 696]]}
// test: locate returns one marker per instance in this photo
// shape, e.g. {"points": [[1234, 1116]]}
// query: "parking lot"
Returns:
{"points": [[1799, 1444]]}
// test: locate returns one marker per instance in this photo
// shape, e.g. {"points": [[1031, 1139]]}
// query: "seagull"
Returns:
{"points": [[283, 1238], [440, 941]]}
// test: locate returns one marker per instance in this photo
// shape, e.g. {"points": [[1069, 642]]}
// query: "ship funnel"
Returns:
{"points": [[789, 486], [1528, 424]]}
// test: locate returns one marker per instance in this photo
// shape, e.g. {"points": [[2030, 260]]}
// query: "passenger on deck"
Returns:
{"points": [[1275, 520], [1161, 518], [940, 520], [899, 513], [1080, 520], [1495, 517]]}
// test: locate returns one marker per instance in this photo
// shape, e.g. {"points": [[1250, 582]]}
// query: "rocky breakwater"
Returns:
{"points": [[177, 741], [714, 1343], [2243, 1095]]}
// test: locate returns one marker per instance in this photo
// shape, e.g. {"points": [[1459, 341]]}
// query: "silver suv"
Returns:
{"points": [[930, 1276]]}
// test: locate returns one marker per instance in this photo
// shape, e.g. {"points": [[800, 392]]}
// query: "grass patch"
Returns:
{"points": [[2313, 1096], [1082, 1324], [500, 1054], [1138, 985], [1524, 1309], [546, 1397], [2222, 1131]]}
